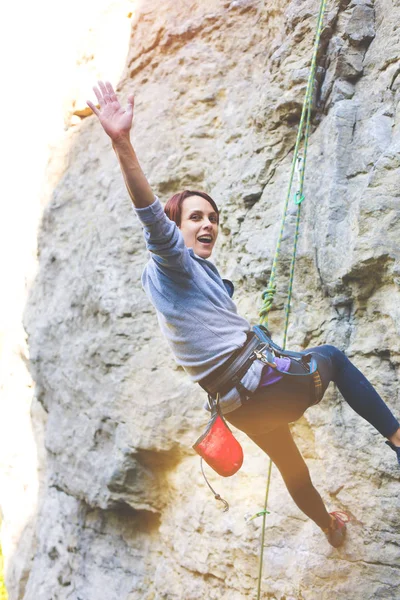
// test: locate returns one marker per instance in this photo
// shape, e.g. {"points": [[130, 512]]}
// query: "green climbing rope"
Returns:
{"points": [[268, 294], [303, 131], [264, 513]]}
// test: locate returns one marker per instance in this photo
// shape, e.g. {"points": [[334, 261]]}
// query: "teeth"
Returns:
{"points": [[204, 238]]}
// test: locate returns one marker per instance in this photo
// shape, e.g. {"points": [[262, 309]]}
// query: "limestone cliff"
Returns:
{"points": [[123, 512]]}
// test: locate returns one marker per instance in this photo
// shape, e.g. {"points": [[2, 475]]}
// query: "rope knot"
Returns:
{"points": [[268, 300]]}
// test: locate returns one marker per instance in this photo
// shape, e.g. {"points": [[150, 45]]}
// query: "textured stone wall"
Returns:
{"points": [[123, 512]]}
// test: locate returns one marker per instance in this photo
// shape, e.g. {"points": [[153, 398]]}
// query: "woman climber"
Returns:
{"points": [[200, 321]]}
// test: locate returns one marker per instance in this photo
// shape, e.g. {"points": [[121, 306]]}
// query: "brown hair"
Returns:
{"points": [[173, 208]]}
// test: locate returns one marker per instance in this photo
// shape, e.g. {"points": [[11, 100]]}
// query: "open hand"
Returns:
{"points": [[116, 121]]}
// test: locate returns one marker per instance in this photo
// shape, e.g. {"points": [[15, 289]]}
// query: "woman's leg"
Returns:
{"points": [[333, 365], [281, 448], [264, 418]]}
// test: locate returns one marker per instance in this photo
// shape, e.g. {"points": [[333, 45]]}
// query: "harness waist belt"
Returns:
{"points": [[228, 375], [259, 345]]}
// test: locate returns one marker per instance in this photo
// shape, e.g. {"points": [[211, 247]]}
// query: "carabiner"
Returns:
{"points": [[266, 359]]}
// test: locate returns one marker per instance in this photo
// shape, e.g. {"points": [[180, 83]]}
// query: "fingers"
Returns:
{"points": [[105, 95], [99, 97], [131, 101], [93, 107], [110, 91], [103, 89]]}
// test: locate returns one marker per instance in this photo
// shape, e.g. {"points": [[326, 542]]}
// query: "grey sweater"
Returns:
{"points": [[194, 309]]}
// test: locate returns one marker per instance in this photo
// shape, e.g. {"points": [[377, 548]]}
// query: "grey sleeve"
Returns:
{"points": [[163, 239]]}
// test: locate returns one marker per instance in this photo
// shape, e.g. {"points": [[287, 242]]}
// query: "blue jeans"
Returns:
{"points": [[265, 418]]}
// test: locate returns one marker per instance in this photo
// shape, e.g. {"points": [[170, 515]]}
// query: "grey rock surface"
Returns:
{"points": [[123, 512]]}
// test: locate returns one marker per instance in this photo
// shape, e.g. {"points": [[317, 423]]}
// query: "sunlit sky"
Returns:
{"points": [[43, 46]]}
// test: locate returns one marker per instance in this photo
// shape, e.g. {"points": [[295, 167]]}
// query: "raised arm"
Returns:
{"points": [[117, 122]]}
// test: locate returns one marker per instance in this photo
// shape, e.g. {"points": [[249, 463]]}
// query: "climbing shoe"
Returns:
{"points": [[396, 449], [336, 532]]}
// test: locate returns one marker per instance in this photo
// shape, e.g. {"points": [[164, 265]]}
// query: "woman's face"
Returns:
{"points": [[199, 225]]}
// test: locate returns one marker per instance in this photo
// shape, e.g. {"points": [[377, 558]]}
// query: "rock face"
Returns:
{"points": [[123, 512]]}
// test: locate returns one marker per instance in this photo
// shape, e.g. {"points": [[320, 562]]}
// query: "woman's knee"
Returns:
{"points": [[333, 353], [328, 348]]}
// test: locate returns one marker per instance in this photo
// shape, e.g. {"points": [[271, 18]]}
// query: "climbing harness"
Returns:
{"points": [[259, 345], [217, 446]]}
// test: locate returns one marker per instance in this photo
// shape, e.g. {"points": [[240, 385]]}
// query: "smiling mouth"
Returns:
{"points": [[205, 239]]}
